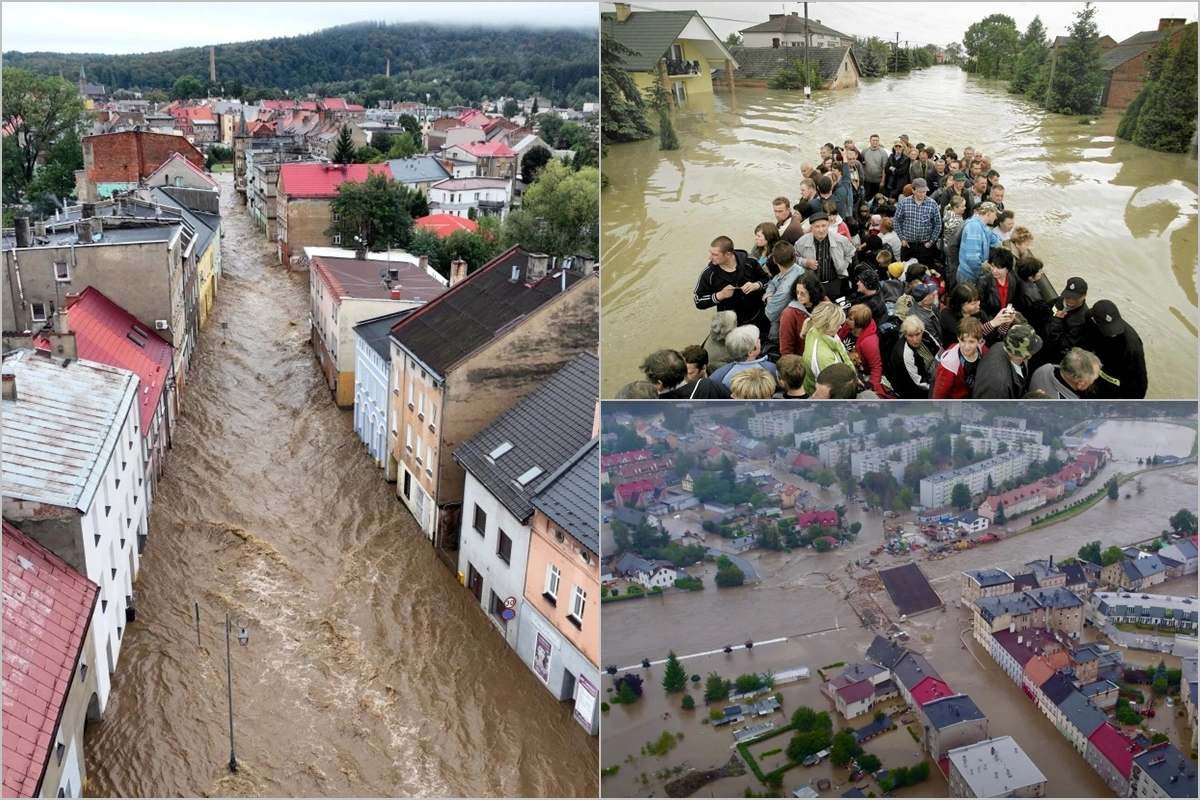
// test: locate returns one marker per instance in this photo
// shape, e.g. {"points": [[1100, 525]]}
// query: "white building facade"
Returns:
{"points": [[489, 197]]}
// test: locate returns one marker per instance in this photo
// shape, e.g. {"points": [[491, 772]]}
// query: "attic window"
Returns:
{"points": [[135, 340], [529, 475], [140, 331], [500, 450]]}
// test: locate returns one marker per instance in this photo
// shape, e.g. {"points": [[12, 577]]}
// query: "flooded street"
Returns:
{"points": [[369, 671], [805, 597], [1123, 217]]}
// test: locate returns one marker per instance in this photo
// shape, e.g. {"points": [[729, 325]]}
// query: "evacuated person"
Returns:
{"points": [[1069, 380], [1068, 322], [1027, 297], [996, 287], [1002, 374], [826, 253], [840, 382], [721, 325], [766, 234], [790, 372], [732, 281], [807, 293], [753, 384], [962, 302], [897, 169], [746, 348], [780, 290], [918, 222], [696, 358], [1123, 376], [667, 370], [912, 362], [976, 243], [956, 367], [874, 161], [822, 346], [866, 346], [789, 224]]}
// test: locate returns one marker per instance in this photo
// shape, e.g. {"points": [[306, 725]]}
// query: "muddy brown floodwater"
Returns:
{"points": [[369, 672], [803, 596], [1123, 217]]}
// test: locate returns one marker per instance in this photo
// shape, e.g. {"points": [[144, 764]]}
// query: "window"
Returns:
{"points": [[83, 668], [432, 415], [107, 509], [429, 459], [677, 52], [62, 271], [408, 438], [578, 602], [37, 312], [480, 521], [59, 750], [496, 606], [421, 407], [552, 578], [410, 396], [337, 217], [504, 549], [337, 238]]}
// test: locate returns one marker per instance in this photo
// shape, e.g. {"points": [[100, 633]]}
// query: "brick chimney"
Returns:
{"points": [[624, 10], [1170, 22], [458, 271], [71, 298], [10, 386], [536, 268], [21, 231]]}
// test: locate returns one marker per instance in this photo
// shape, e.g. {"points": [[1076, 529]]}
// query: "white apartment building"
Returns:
{"points": [[1003, 434], [490, 197], [818, 435], [893, 458], [773, 424], [936, 489], [74, 480]]}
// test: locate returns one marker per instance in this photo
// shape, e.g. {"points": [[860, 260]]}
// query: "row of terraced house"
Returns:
{"points": [[99, 339]]}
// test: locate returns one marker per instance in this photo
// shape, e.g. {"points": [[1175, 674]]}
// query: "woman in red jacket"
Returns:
{"points": [[862, 324], [808, 291], [955, 376]]}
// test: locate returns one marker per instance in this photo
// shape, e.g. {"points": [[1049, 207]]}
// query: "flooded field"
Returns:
{"points": [[1098, 207], [1134, 439]]}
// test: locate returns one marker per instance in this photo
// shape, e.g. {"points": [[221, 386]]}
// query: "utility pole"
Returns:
{"points": [[807, 44], [896, 53]]}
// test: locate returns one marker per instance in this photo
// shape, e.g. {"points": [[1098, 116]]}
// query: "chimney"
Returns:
{"points": [[1170, 22], [623, 11], [458, 271], [71, 298], [535, 270], [584, 264], [21, 229], [87, 210], [774, 17], [423, 262], [394, 292], [61, 326], [96, 229], [10, 386], [39, 228]]}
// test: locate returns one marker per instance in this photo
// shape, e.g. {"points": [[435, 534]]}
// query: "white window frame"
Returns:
{"points": [[408, 438], [62, 275], [553, 581], [33, 314], [337, 238], [578, 604]]}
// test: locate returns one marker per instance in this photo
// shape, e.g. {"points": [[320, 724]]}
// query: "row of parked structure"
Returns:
{"points": [[99, 338]]}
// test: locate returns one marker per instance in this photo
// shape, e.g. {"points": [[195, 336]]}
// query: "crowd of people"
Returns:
{"points": [[896, 274]]}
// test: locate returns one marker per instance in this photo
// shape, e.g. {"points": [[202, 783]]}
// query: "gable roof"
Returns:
{"points": [[1168, 767], [544, 430], [359, 278], [374, 332], [148, 146], [63, 427], [761, 63], [854, 692], [651, 34], [417, 169], [486, 149], [474, 311], [912, 669], [793, 23], [570, 497], [884, 652], [1133, 47], [1081, 713], [945, 712], [445, 224], [178, 158], [929, 690], [1115, 747], [322, 180], [47, 611], [108, 334]]}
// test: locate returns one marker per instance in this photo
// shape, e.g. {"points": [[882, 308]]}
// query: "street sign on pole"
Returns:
{"points": [[510, 602], [508, 614]]}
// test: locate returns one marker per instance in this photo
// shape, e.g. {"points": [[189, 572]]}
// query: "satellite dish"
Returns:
{"points": [[383, 273]]}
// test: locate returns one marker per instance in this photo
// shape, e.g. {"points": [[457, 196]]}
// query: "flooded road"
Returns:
{"points": [[369, 671], [1122, 217]]}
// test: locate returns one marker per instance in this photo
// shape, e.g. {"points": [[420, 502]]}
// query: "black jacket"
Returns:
{"points": [[897, 371], [1063, 334], [1122, 364], [996, 379], [702, 389], [750, 308], [896, 179]]}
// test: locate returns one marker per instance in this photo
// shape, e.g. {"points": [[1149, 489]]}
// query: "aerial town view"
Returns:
{"points": [[899, 599], [1006, 162], [300, 407]]}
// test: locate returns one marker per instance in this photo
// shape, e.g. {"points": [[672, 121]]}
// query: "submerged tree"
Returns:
{"points": [[1078, 76], [659, 99], [623, 110], [991, 45], [1163, 115], [1030, 75]]}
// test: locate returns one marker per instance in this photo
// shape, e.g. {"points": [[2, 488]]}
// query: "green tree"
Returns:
{"points": [[730, 575], [622, 108], [559, 214], [1090, 552], [187, 87], [793, 77], [733, 40], [404, 146], [843, 748], [674, 676], [716, 688], [1183, 521], [855, 528], [871, 64], [991, 45], [747, 683], [1034, 55], [368, 155], [1155, 62], [688, 702], [376, 211], [658, 99], [1000, 518], [1112, 488], [869, 762], [960, 496], [511, 108], [1078, 76], [381, 141], [343, 151], [1159, 686], [822, 545], [38, 112], [1167, 120], [807, 743], [533, 161], [55, 180], [1111, 556]]}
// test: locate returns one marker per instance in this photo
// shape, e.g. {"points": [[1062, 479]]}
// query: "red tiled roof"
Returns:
{"points": [[1115, 747], [445, 224], [817, 518], [1038, 671], [322, 180], [355, 278], [47, 609], [194, 113], [179, 157], [103, 332], [636, 487], [805, 461], [487, 149], [278, 105], [335, 104], [856, 691], [628, 457], [930, 689], [471, 115]]}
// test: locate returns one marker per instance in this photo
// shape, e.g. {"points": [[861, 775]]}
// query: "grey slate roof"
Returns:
{"points": [[546, 430], [912, 669], [989, 577], [787, 23], [472, 312], [760, 63], [1057, 688], [571, 496], [649, 33], [884, 653], [1082, 713], [1163, 761], [1149, 566], [1074, 573], [948, 711], [1132, 47], [375, 332], [202, 224]]}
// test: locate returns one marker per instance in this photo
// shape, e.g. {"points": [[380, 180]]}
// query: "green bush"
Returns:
{"points": [[633, 590], [688, 702], [715, 714], [662, 745], [604, 707], [609, 771]]}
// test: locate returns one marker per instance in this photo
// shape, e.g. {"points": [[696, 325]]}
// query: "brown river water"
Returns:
{"points": [[802, 596], [369, 671], [1122, 217]]}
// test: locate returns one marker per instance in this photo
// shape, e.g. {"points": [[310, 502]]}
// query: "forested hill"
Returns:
{"points": [[468, 61]]}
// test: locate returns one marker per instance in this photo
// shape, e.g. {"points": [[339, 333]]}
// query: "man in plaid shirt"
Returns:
{"points": [[919, 224]]}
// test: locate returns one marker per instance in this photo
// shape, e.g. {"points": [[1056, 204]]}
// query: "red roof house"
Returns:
{"points": [[487, 149], [636, 492], [805, 461], [47, 611], [930, 689], [323, 180], [445, 224], [177, 158], [620, 459], [1115, 747], [829, 518]]}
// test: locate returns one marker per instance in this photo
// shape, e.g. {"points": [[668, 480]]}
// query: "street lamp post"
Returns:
{"points": [[243, 638]]}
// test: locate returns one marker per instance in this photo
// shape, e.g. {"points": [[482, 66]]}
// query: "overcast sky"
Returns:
{"points": [[930, 23], [152, 27]]}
